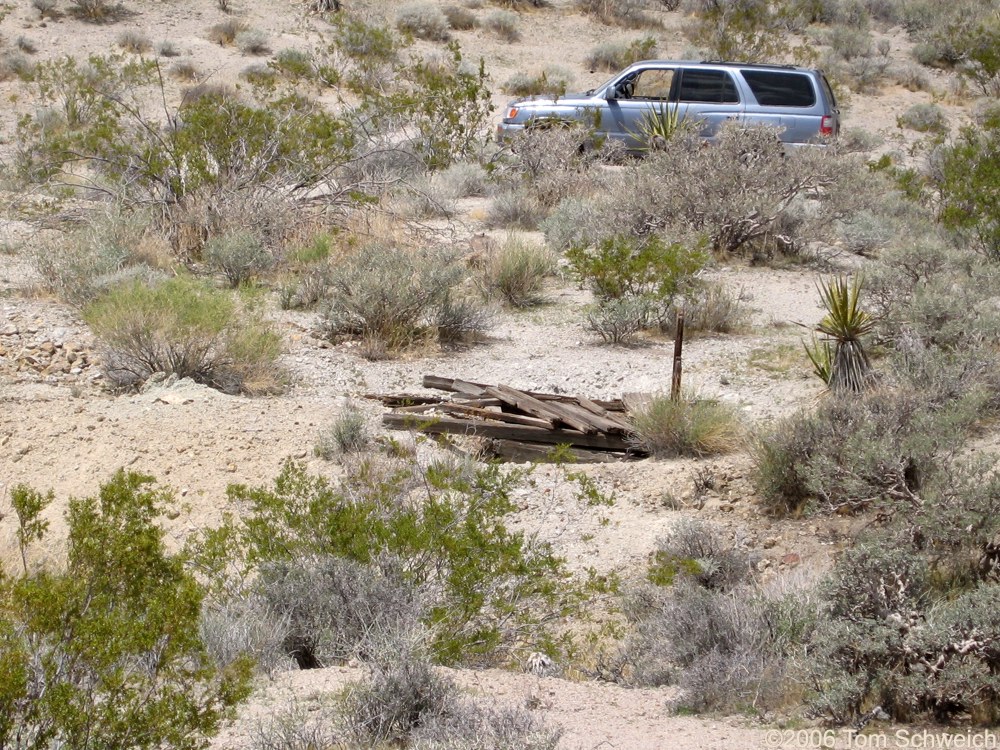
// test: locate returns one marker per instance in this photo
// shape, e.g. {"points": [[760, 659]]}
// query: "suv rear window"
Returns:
{"points": [[779, 88], [712, 86]]}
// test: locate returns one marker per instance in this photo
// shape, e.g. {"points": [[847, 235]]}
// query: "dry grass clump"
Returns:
{"points": [[687, 427], [134, 41], [628, 13], [515, 272], [515, 209], [252, 42], [424, 20], [184, 70], [504, 24], [26, 45], [924, 118], [166, 48], [225, 33], [552, 80], [96, 11], [459, 18]]}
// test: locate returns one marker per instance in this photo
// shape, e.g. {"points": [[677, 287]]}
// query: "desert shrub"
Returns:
{"points": [[124, 616], [727, 650], [628, 13], [96, 11], [423, 20], [504, 24], [388, 295], [462, 319], [332, 608], [749, 30], [463, 180], [708, 307], [554, 162], [472, 726], [252, 42], [259, 75], [625, 265], [617, 320], [166, 48], [225, 33], [45, 8], [134, 41], [515, 272], [911, 77], [695, 550], [486, 589], [183, 327], [514, 209], [967, 171], [184, 70], [866, 232], [855, 60], [459, 18], [549, 81], [924, 118], [298, 726], [14, 64], [240, 256], [241, 627], [614, 56], [295, 64], [686, 427], [745, 193], [85, 263], [348, 433]]}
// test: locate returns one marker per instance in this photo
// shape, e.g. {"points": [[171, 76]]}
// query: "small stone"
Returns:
{"points": [[9, 330], [771, 541], [791, 559], [231, 468], [47, 346]]}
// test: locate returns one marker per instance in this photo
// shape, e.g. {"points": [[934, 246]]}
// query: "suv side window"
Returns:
{"points": [[654, 83], [779, 88], [708, 86]]}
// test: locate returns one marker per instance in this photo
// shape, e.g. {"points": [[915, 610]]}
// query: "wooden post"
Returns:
{"points": [[675, 385]]}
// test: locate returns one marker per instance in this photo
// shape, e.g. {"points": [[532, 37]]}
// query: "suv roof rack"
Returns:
{"points": [[748, 64]]}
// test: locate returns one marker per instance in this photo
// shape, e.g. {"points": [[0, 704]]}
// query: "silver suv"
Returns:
{"points": [[797, 101]]}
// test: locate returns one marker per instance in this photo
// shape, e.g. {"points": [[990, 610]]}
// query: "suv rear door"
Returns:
{"points": [[788, 99], [709, 95]]}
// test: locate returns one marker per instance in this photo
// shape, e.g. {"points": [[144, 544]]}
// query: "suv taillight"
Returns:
{"points": [[826, 126]]}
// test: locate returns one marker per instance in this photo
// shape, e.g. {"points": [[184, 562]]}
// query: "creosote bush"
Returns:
{"points": [[108, 653], [184, 327], [614, 56], [438, 530]]}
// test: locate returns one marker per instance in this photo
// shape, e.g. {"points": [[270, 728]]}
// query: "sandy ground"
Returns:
{"points": [[60, 429]]}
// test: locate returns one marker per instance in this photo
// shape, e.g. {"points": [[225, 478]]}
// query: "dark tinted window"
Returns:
{"points": [[715, 86], [779, 88]]}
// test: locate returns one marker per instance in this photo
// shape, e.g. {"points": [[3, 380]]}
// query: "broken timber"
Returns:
{"points": [[520, 425]]}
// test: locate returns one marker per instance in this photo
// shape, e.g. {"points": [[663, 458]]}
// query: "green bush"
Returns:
{"points": [[667, 428], [969, 170], [107, 654], [748, 30], [516, 271], [183, 327], [240, 256], [614, 56], [625, 265], [388, 295], [547, 82], [486, 589], [628, 13], [617, 320], [693, 550]]}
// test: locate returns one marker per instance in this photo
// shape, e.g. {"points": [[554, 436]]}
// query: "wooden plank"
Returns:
{"points": [[499, 416], [541, 409], [601, 423], [454, 426], [463, 386], [416, 408], [453, 385], [519, 452], [596, 408]]}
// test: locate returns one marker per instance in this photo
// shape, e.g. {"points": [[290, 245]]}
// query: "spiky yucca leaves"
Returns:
{"points": [[845, 324], [658, 126]]}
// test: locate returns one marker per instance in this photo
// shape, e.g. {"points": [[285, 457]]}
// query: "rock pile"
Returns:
{"points": [[28, 351]]}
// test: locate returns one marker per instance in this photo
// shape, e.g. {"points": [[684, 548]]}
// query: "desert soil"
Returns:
{"points": [[61, 429]]}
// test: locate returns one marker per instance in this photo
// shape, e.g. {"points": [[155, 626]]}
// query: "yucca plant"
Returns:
{"points": [[820, 353], [844, 324], [658, 125]]}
